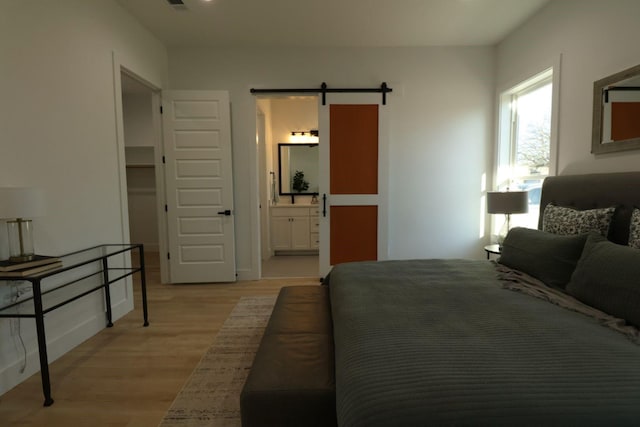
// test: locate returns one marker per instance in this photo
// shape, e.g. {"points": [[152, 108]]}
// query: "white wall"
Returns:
{"points": [[596, 39], [297, 114], [58, 121], [441, 121], [138, 120]]}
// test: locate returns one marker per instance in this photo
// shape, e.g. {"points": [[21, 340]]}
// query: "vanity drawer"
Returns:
{"points": [[289, 211]]}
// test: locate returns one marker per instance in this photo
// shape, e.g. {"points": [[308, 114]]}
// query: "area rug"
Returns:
{"points": [[211, 396]]}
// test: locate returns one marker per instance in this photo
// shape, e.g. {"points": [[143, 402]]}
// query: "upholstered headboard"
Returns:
{"points": [[596, 191]]}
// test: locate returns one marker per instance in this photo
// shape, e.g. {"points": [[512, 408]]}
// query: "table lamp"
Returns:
{"points": [[16, 204], [507, 203]]}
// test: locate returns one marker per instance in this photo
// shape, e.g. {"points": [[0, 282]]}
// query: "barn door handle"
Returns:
{"points": [[324, 204], [225, 213]]}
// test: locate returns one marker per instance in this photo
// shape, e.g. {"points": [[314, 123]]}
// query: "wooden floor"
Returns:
{"points": [[129, 375]]}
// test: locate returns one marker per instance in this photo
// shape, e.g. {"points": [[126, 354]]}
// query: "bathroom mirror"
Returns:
{"points": [[298, 168], [616, 108]]}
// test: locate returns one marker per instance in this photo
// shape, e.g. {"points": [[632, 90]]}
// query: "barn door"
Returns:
{"points": [[353, 179], [199, 187]]}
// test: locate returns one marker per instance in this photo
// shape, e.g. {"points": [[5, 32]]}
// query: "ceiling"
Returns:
{"points": [[331, 23]]}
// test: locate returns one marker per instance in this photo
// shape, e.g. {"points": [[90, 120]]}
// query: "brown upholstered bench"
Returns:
{"points": [[292, 380]]}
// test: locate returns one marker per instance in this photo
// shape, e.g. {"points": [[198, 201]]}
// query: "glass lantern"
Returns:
{"points": [[20, 240]]}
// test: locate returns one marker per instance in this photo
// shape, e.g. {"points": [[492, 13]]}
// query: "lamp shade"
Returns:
{"points": [[21, 202], [509, 202]]}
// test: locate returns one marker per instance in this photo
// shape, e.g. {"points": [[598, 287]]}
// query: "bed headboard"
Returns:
{"points": [[591, 191]]}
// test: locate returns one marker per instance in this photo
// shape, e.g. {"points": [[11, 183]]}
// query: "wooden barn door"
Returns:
{"points": [[353, 179]]}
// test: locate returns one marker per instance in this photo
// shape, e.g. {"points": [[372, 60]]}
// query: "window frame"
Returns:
{"points": [[505, 146]]}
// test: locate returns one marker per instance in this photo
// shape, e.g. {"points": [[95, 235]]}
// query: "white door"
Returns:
{"points": [[199, 187], [353, 179]]}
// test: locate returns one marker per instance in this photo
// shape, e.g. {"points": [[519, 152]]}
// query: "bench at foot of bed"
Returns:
{"points": [[292, 380]]}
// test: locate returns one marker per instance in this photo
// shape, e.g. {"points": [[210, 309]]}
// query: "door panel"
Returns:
{"points": [[353, 177], [354, 149], [354, 234], [198, 175]]}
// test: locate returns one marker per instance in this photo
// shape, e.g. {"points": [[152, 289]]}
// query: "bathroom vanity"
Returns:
{"points": [[294, 228]]}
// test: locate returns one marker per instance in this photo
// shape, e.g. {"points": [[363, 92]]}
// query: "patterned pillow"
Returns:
{"points": [[634, 230], [566, 221]]}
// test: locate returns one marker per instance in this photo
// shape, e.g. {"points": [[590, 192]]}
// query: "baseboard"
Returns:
{"points": [[297, 252], [246, 274]]}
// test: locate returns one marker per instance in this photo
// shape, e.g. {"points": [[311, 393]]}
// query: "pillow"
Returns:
{"points": [[550, 258], [560, 220], [634, 229], [607, 277]]}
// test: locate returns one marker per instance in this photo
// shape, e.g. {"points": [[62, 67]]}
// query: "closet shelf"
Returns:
{"points": [[140, 165]]}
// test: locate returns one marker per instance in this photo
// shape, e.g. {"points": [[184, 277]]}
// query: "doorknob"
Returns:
{"points": [[225, 213]]}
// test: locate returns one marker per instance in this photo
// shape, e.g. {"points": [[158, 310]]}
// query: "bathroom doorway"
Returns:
{"points": [[289, 226]]}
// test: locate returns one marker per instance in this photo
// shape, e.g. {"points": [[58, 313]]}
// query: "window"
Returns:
{"points": [[524, 143]]}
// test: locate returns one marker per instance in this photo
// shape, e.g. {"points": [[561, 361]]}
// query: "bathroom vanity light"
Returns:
{"points": [[304, 136]]}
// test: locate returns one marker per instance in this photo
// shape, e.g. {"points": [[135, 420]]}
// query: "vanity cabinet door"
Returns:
{"points": [[281, 233], [300, 233]]}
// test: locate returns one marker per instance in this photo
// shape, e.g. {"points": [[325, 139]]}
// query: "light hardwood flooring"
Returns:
{"points": [[290, 266], [129, 375]]}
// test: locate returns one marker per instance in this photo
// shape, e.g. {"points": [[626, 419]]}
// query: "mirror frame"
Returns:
{"points": [[597, 147], [280, 146]]}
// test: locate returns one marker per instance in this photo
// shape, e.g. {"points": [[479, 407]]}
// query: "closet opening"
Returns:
{"points": [[140, 135]]}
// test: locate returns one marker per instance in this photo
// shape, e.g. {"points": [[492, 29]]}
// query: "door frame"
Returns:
{"points": [[260, 210], [264, 188], [156, 101]]}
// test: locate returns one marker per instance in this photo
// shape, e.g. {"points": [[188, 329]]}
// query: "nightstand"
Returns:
{"points": [[492, 249]]}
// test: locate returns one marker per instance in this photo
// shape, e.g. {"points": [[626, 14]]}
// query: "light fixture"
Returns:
{"points": [[304, 136], [16, 204], [507, 203]]}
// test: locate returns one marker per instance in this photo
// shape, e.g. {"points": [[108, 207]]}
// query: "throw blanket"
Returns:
{"points": [[440, 342], [518, 281]]}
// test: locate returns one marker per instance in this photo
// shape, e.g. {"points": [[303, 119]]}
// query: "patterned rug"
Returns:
{"points": [[211, 395]]}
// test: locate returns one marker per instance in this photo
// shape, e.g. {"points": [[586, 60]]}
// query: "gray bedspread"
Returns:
{"points": [[441, 343]]}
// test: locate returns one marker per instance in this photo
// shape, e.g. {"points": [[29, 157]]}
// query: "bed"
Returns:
{"points": [[547, 336]]}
